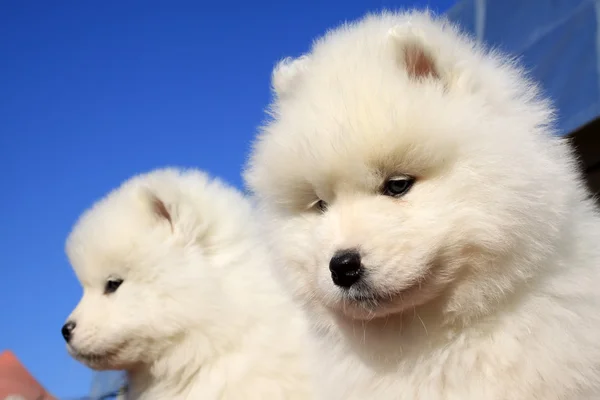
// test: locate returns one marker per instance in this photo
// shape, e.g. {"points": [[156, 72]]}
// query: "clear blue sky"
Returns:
{"points": [[92, 92]]}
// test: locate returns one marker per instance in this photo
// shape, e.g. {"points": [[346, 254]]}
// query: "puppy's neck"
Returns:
{"points": [[172, 374], [181, 368]]}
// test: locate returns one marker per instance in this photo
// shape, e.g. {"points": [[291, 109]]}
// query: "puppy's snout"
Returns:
{"points": [[346, 267], [67, 330]]}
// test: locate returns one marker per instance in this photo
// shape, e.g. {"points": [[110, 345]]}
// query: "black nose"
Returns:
{"points": [[345, 267], [67, 330]]}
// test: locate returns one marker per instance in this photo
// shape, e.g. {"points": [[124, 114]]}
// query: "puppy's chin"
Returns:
{"points": [[366, 303], [101, 360]]}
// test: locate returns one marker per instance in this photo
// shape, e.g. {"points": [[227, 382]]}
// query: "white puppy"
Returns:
{"points": [[436, 230], [176, 291]]}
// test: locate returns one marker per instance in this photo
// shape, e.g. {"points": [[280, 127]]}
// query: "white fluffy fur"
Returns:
{"points": [[484, 277], [198, 315]]}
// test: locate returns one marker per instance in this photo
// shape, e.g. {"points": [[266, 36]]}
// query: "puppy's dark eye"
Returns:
{"points": [[398, 186], [319, 205], [112, 285]]}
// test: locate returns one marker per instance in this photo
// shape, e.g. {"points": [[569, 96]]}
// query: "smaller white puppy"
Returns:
{"points": [[177, 293]]}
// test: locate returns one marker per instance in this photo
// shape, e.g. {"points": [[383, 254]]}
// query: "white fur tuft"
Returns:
{"points": [[286, 72]]}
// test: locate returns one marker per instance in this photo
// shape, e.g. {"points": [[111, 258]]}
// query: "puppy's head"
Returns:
{"points": [[144, 256], [403, 165]]}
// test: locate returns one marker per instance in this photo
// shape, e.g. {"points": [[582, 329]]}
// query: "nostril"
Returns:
{"points": [[67, 330], [346, 267]]}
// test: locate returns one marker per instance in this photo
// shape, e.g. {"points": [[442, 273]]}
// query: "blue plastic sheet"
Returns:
{"points": [[557, 41]]}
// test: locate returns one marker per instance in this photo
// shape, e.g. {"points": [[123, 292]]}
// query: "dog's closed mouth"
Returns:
{"points": [[369, 295], [366, 301], [373, 298], [91, 357]]}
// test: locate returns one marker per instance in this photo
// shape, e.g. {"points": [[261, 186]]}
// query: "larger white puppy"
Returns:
{"points": [[177, 292], [437, 232]]}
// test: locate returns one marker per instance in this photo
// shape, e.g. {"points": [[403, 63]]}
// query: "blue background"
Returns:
{"points": [[92, 92], [557, 41]]}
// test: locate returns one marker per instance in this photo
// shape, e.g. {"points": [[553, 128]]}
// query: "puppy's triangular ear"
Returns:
{"points": [[418, 62], [157, 207], [414, 55], [286, 73], [160, 209]]}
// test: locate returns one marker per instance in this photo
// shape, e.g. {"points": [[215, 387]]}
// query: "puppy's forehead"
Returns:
{"points": [[106, 237], [92, 267], [95, 259], [346, 111], [336, 134]]}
